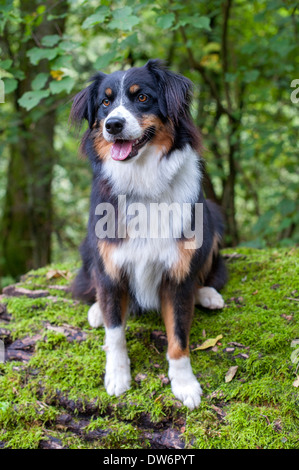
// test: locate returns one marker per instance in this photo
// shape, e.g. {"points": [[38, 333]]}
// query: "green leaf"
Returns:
{"points": [[98, 17], [251, 76], [56, 17], [31, 98], [166, 21], [17, 73], [41, 9], [199, 22], [105, 59], [61, 61], [10, 85], [36, 54], [202, 22], [66, 84], [129, 41], [5, 64], [51, 40], [230, 77], [286, 206], [250, 47], [39, 82], [68, 45], [123, 19]]}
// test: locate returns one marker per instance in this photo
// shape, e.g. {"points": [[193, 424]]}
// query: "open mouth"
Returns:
{"points": [[126, 149]]}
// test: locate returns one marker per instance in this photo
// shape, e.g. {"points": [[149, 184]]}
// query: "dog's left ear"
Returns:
{"points": [[85, 104], [175, 91]]}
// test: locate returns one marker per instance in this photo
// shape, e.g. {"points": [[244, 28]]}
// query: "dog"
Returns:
{"points": [[145, 150]]}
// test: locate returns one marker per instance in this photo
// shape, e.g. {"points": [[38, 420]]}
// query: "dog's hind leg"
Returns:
{"points": [[208, 295], [95, 316]]}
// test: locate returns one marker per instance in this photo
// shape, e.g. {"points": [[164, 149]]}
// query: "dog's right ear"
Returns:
{"points": [[85, 103]]}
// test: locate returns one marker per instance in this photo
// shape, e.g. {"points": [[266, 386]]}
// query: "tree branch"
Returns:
{"points": [[226, 12], [207, 79]]}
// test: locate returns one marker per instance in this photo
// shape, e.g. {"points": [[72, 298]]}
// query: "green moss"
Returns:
{"points": [[259, 408]]}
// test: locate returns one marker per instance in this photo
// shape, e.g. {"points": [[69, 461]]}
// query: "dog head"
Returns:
{"points": [[131, 110]]}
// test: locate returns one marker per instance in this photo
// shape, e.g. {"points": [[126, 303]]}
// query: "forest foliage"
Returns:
{"points": [[243, 60]]}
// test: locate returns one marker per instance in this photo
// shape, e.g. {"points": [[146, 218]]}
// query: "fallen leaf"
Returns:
{"points": [[140, 377], [295, 356], [238, 345], [287, 317], [243, 356], [164, 379], [229, 350], [53, 273], [296, 382], [209, 343], [231, 373], [220, 413], [275, 286]]}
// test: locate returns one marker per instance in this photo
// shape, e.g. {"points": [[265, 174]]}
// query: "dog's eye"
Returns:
{"points": [[106, 102], [142, 98]]}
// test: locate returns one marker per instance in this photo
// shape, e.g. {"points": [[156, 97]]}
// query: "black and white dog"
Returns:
{"points": [[144, 152]]}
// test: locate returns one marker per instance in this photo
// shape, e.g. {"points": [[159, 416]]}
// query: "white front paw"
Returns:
{"points": [[117, 379], [184, 384], [95, 316], [188, 393], [208, 297], [118, 374]]}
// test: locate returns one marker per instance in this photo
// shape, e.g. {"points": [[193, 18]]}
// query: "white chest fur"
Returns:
{"points": [[147, 180]]}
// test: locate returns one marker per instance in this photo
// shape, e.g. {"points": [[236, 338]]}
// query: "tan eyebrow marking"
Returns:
{"points": [[108, 92], [134, 88]]}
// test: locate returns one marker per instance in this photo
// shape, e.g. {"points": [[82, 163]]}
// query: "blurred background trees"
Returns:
{"points": [[242, 58]]}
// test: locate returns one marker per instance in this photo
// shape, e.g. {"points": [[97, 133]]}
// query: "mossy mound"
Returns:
{"points": [[51, 385]]}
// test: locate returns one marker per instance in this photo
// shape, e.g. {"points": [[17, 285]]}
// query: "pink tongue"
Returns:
{"points": [[121, 149]]}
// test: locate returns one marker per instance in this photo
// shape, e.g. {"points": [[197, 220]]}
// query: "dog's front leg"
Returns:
{"points": [[177, 311], [111, 310]]}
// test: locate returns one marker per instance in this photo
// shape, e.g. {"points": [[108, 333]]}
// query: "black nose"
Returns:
{"points": [[115, 125]]}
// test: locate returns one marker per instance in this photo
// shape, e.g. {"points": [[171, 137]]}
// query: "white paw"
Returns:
{"points": [[188, 393], [208, 297], [118, 374], [118, 377], [184, 384], [95, 316]]}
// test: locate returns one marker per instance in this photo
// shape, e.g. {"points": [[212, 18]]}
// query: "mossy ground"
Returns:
{"points": [[58, 395]]}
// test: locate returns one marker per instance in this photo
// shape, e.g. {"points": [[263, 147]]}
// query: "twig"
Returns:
{"points": [[267, 419], [197, 66]]}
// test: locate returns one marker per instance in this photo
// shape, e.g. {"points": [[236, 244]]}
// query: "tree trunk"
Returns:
{"points": [[26, 226], [228, 196]]}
